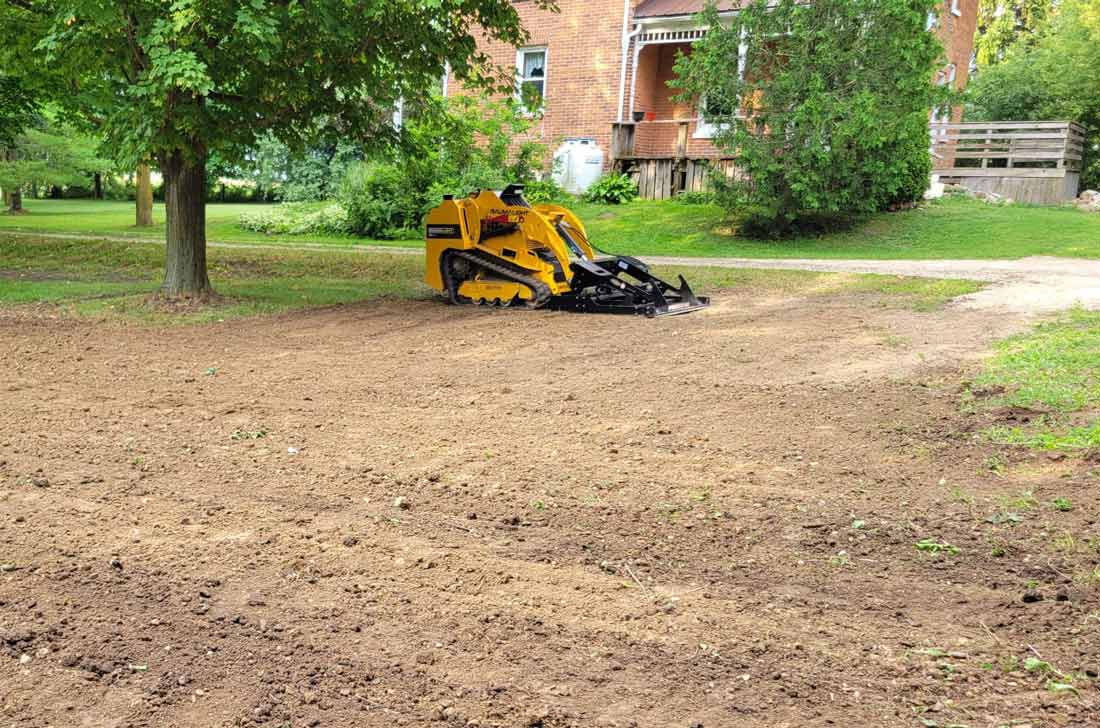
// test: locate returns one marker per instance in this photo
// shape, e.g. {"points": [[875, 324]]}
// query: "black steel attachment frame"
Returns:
{"points": [[604, 285]]}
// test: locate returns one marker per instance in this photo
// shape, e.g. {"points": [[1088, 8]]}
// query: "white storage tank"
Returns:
{"points": [[578, 163]]}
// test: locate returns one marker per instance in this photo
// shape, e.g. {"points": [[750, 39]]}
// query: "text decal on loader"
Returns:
{"points": [[444, 232]]}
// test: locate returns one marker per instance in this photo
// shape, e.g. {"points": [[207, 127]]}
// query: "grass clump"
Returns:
{"points": [[1055, 370], [932, 546]]}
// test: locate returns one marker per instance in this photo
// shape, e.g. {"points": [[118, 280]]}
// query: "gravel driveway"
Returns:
{"points": [[1033, 285]]}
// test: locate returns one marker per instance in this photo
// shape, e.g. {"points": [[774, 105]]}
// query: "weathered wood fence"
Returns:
{"points": [[661, 179], [1036, 162]]}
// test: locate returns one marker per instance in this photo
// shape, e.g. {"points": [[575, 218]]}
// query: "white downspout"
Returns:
{"points": [[634, 78], [627, 37]]}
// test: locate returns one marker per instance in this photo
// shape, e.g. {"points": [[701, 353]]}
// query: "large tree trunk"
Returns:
{"points": [[185, 214], [144, 196], [15, 201], [97, 186]]}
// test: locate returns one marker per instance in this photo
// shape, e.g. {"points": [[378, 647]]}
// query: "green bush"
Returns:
{"points": [[546, 191], [612, 189], [118, 188], [450, 147], [838, 123], [296, 219], [378, 201], [695, 198], [76, 192]]}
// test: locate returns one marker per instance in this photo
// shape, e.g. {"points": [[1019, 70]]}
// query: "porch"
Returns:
{"points": [[664, 143]]}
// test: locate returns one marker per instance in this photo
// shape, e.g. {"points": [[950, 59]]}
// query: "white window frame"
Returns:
{"points": [[955, 10], [521, 79], [704, 129]]}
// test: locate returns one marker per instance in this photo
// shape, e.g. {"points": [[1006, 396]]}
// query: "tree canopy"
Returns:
{"points": [[50, 154], [1003, 23], [180, 81], [831, 116], [16, 109]]}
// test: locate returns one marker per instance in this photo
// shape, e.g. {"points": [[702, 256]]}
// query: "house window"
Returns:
{"points": [[713, 111], [531, 77], [717, 107]]}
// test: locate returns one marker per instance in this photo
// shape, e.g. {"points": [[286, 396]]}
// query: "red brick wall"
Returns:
{"points": [[584, 57], [957, 35]]}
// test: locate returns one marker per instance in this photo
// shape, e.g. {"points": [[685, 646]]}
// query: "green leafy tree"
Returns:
{"points": [[1003, 23], [48, 154], [17, 109], [310, 175], [450, 146], [830, 118], [178, 82], [1052, 77]]}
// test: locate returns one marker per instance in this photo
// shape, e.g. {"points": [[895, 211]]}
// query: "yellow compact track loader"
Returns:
{"points": [[495, 248]]}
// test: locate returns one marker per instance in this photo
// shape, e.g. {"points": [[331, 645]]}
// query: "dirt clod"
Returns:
{"points": [[1032, 595]]}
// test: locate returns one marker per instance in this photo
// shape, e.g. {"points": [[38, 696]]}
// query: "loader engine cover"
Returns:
{"points": [[496, 249]]}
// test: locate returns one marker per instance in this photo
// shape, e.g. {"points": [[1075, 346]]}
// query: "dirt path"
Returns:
{"points": [[1035, 285], [418, 515]]}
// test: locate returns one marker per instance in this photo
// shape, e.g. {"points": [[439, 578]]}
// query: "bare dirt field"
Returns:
{"points": [[407, 514]]}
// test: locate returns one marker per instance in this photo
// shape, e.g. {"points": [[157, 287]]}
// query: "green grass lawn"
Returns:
{"points": [[116, 219], [948, 228], [1054, 369], [103, 278]]}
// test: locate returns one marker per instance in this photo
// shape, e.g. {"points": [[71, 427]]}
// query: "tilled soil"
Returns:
{"points": [[408, 514]]}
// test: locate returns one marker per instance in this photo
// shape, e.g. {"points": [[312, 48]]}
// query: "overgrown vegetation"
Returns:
{"points": [[832, 118], [451, 146], [1053, 371]]}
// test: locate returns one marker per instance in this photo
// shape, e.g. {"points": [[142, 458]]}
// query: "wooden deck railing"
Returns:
{"points": [[1010, 144], [1030, 161]]}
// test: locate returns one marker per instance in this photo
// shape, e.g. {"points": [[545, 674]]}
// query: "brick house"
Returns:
{"points": [[603, 66]]}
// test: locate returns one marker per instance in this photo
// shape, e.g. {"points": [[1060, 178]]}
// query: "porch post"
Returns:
{"points": [[742, 55], [638, 45]]}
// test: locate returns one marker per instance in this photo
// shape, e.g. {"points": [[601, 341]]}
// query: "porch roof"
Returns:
{"points": [[673, 8]]}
